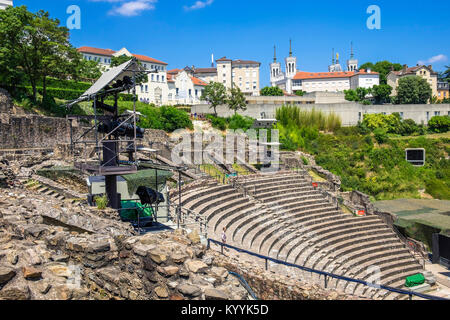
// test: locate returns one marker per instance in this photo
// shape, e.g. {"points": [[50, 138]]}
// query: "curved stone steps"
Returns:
{"points": [[287, 222], [270, 179], [302, 213], [192, 191], [241, 231], [317, 214], [277, 187], [395, 275], [296, 223], [358, 266], [211, 210], [336, 227], [251, 213], [345, 256], [199, 198], [280, 192], [327, 237], [287, 196], [217, 221], [343, 244], [335, 237]]}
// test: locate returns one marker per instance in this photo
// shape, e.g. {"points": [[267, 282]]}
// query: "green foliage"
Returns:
{"points": [[351, 95], [236, 100], [239, 122], [272, 91], [101, 202], [439, 124], [438, 189], [165, 118], [293, 116], [34, 47], [380, 135], [413, 90], [382, 93], [234, 123], [382, 171], [358, 95], [117, 61], [383, 68], [215, 94], [217, 122], [305, 161], [300, 93]]}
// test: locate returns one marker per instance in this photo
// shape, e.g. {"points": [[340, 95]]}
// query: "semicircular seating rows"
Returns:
{"points": [[282, 216]]}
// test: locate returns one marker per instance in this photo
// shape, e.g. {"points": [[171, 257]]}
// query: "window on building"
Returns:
{"points": [[190, 92], [153, 77], [157, 78], [437, 113], [196, 92], [177, 90], [146, 88], [162, 78]]}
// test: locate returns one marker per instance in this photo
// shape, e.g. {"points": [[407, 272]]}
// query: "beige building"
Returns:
{"points": [[425, 72], [243, 74]]}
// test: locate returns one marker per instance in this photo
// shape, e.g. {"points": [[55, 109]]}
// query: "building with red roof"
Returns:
{"points": [[335, 80]]}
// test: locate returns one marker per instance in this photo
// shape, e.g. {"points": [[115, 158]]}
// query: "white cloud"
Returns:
{"points": [[438, 58], [198, 5], [129, 8]]}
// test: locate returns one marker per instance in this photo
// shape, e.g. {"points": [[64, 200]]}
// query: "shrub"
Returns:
{"points": [[239, 122], [101, 202], [293, 116], [380, 135], [217, 122], [439, 124], [438, 189]]}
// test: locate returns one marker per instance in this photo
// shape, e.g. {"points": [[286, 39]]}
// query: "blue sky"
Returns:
{"points": [[187, 32]]}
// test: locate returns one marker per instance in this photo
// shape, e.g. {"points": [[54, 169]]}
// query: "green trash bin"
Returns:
{"points": [[415, 280], [130, 211]]}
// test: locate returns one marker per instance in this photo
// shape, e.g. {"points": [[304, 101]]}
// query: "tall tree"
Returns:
{"points": [[216, 94], [413, 90], [383, 68], [36, 45], [271, 91], [236, 100], [382, 93]]}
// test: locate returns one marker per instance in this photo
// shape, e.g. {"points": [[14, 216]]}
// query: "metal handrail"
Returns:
{"points": [[244, 283], [324, 273]]}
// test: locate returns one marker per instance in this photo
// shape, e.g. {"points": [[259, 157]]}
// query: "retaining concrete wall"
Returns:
{"points": [[350, 112]]}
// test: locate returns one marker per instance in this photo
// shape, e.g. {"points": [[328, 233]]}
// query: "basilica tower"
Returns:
{"points": [[275, 69], [352, 63], [291, 63]]}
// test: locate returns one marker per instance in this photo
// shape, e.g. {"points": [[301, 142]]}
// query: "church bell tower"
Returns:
{"points": [[275, 69]]}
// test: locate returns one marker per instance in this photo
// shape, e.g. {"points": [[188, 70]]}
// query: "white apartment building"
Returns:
{"points": [[5, 3], [184, 87], [244, 74], [335, 80], [155, 91]]}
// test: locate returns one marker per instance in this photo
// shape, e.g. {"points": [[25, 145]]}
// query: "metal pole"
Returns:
{"points": [[179, 197]]}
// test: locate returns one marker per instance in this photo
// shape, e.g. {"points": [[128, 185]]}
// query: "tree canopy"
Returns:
{"points": [[236, 100], [383, 68], [382, 93], [271, 91], [216, 94], [413, 90], [35, 47]]}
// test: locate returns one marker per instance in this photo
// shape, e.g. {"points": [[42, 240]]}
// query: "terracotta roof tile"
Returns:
{"points": [[110, 53], [198, 82]]}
